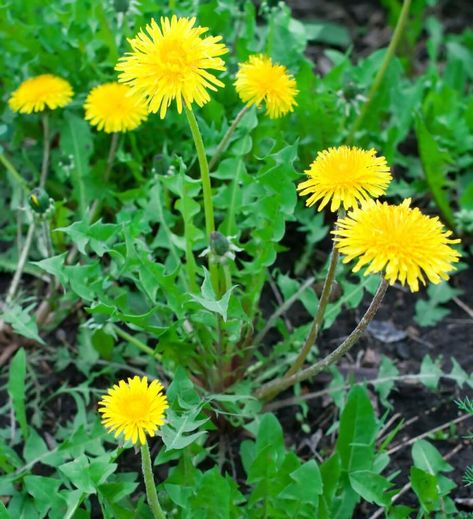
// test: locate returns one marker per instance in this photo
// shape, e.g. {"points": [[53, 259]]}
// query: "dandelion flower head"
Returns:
{"points": [[134, 408], [39, 93], [399, 240], [345, 176], [171, 61], [260, 80], [112, 107]]}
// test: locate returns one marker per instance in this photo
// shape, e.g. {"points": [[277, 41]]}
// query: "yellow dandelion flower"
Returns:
{"points": [[41, 92], [345, 176], [399, 240], [170, 62], [134, 409], [112, 107], [260, 80]]}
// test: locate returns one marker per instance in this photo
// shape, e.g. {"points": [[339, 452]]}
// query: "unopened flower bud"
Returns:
{"points": [[39, 200], [219, 244]]}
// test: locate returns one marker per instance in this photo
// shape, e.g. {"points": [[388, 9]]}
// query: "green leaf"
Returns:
{"points": [[76, 143], [215, 492], [44, 491], [371, 487], [434, 162], [426, 488], [387, 369], [430, 372], [17, 389], [307, 485], [55, 266], [209, 300], [78, 472], [428, 458], [22, 321], [99, 236], [460, 375], [328, 33], [175, 433], [4, 512], [330, 472], [429, 312], [355, 443], [400, 512]]}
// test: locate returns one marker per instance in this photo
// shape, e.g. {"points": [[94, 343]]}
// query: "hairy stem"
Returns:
{"points": [[401, 22], [151, 493], [46, 145], [21, 264], [206, 189], [319, 316], [271, 389], [224, 142]]}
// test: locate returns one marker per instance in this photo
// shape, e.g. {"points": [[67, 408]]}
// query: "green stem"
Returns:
{"points": [[223, 143], [401, 22], [21, 264], [14, 172], [319, 316], [136, 342], [97, 205], [151, 493], [231, 209], [47, 238], [46, 146], [269, 390], [190, 260], [227, 277], [206, 189]]}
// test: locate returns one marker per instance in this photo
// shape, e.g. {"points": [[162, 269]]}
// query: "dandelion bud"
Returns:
{"points": [[219, 244], [121, 6], [39, 200]]}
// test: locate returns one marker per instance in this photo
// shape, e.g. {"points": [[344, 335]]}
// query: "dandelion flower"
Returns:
{"points": [[112, 107], [399, 240], [170, 62], [134, 408], [41, 92], [345, 176], [259, 79]]}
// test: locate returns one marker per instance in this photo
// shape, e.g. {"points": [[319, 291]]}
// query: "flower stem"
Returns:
{"points": [[319, 316], [21, 264], [271, 389], [231, 224], [223, 143], [136, 342], [97, 205], [151, 493], [206, 189], [191, 266], [14, 172], [401, 22], [46, 145]]}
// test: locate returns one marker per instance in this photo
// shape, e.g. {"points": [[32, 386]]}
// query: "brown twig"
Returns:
{"points": [[463, 306], [428, 433]]}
